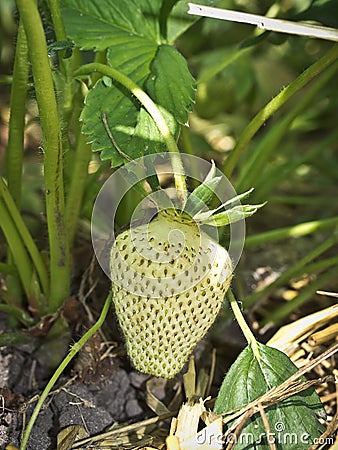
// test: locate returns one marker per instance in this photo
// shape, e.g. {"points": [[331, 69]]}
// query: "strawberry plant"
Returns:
{"points": [[113, 90]]}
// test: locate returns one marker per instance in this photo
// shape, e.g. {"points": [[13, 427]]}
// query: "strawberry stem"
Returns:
{"points": [[53, 153], [243, 325], [151, 107]]}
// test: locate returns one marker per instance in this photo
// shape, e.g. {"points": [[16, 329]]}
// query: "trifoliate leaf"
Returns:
{"points": [[293, 422], [131, 31]]}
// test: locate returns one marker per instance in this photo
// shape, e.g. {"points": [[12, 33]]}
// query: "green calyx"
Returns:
{"points": [[196, 210]]}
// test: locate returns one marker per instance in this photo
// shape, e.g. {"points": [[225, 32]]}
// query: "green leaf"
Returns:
{"points": [[171, 83], [16, 312], [203, 216], [201, 196], [293, 421], [179, 21], [94, 24], [132, 127], [131, 31], [323, 11], [232, 215], [60, 46]]}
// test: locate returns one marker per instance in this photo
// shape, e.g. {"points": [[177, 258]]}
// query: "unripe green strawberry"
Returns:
{"points": [[169, 279]]}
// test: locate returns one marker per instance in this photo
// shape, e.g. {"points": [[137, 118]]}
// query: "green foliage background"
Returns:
{"points": [[262, 105]]}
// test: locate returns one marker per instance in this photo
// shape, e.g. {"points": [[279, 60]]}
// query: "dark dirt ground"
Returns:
{"points": [[94, 406], [94, 398]]}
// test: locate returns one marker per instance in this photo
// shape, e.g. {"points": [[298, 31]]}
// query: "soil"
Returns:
{"points": [[93, 405], [94, 400]]}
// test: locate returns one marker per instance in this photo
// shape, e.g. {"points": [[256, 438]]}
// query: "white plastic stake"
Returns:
{"points": [[266, 23]]}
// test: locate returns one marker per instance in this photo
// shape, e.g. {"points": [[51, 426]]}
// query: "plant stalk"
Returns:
{"points": [[17, 248], [276, 103], [16, 129], [65, 67], [77, 185], [53, 157], [255, 166], [250, 338], [294, 231], [155, 113], [26, 238], [293, 270]]}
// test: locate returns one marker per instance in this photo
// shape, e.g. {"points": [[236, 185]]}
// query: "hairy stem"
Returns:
{"points": [[65, 87], [53, 158], [26, 238], [17, 116], [17, 248], [250, 338], [77, 185]]}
